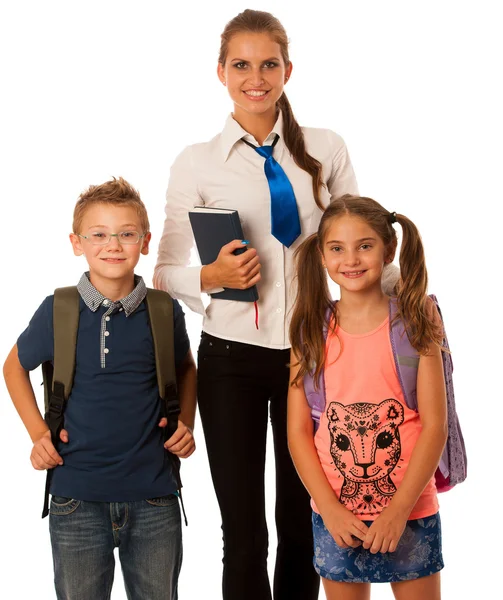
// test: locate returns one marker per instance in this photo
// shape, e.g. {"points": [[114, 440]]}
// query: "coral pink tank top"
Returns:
{"points": [[367, 432]]}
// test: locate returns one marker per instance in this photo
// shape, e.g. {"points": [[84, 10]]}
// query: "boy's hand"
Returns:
{"points": [[181, 443], [346, 529], [385, 532], [44, 455]]}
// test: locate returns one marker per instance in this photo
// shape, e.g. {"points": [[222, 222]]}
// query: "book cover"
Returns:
{"points": [[213, 228]]}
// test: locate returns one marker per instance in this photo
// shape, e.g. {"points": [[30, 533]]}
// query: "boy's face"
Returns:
{"points": [[114, 260]]}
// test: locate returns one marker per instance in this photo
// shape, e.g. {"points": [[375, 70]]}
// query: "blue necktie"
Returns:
{"points": [[285, 222]]}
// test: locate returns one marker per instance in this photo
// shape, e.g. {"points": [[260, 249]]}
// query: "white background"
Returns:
{"points": [[95, 89]]}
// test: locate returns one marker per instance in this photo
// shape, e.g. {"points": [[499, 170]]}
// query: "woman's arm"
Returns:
{"points": [[386, 531], [342, 178], [341, 523], [172, 273]]}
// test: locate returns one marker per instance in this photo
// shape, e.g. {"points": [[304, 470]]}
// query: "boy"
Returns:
{"points": [[113, 483]]}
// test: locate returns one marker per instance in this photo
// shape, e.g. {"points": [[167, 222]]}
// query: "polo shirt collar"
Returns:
{"points": [[93, 299], [233, 132]]}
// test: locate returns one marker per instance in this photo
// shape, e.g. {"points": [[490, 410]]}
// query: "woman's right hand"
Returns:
{"points": [[232, 271], [346, 529]]}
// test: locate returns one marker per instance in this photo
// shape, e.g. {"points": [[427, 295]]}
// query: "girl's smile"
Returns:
{"points": [[353, 254]]}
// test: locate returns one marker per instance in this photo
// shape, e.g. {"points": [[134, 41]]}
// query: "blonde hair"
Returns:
{"points": [[117, 192]]}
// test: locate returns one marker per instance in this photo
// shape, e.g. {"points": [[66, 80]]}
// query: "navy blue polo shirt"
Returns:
{"points": [[115, 450]]}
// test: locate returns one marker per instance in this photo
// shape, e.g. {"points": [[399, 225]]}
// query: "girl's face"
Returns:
{"points": [[254, 73], [353, 254]]}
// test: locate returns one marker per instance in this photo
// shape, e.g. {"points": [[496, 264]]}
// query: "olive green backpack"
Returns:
{"points": [[58, 374]]}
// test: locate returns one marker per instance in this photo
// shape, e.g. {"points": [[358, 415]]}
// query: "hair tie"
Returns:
{"points": [[392, 217]]}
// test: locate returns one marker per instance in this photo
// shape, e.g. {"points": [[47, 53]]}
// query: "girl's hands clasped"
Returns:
{"points": [[385, 532], [230, 270], [346, 529]]}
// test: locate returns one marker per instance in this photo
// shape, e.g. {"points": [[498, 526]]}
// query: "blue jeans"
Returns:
{"points": [[84, 534]]}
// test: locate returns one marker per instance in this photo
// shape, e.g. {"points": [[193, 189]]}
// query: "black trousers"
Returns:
{"points": [[238, 385]]}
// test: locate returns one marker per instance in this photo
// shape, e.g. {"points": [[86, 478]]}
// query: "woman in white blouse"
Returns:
{"points": [[243, 374]]}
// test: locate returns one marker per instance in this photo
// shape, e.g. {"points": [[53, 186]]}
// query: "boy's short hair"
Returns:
{"points": [[117, 192]]}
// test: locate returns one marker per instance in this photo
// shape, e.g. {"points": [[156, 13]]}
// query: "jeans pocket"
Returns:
{"points": [[168, 500], [61, 505]]}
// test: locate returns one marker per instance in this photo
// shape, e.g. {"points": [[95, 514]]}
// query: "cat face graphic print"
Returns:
{"points": [[367, 433], [365, 447]]}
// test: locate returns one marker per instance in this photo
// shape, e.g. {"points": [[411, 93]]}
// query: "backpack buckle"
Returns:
{"points": [[55, 410]]}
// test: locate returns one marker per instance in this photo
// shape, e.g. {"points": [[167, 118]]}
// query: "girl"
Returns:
{"points": [[243, 375], [370, 466]]}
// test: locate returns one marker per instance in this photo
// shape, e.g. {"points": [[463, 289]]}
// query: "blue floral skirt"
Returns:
{"points": [[418, 554]]}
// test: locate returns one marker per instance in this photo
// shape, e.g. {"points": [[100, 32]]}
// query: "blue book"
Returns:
{"points": [[212, 229]]}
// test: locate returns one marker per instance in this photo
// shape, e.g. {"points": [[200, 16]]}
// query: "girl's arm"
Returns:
{"points": [[17, 380], [340, 522], [386, 531]]}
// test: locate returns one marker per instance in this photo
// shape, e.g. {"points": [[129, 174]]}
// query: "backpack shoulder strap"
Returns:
{"points": [[58, 376], [66, 324], [161, 317], [315, 390], [160, 312], [405, 355]]}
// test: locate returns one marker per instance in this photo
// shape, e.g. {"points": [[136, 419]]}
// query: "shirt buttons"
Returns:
{"points": [[121, 309], [106, 350], [106, 302], [107, 333], [278, 283], [278, 310], [107, 318]]}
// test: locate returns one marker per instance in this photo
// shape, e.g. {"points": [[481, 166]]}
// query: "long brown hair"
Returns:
{"points": [[257, 21], [313, 299]]}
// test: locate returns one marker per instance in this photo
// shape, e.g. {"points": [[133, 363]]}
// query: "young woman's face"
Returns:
{"points": [[353, 254], [254, 73]]}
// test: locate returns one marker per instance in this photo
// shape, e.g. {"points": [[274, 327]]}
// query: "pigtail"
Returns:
{"points": [[309, 312], [414, 306], [294, 141]]}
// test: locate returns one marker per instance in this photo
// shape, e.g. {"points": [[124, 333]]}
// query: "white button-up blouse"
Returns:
{"points": [[226, 173]]}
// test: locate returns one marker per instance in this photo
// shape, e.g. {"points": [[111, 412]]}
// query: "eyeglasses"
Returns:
{"points": [[102, 238]]}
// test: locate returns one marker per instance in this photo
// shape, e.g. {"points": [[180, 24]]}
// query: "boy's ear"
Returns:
{"points": [[76, 244], [145, 243]]}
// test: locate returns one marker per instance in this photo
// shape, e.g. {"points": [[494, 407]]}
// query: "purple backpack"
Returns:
{"points": [[452, 466]]}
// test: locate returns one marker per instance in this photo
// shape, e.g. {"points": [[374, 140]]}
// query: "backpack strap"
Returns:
{"points": [[452, 465], [160, 313], [58, 377], [315, 390], [405, 355]]}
